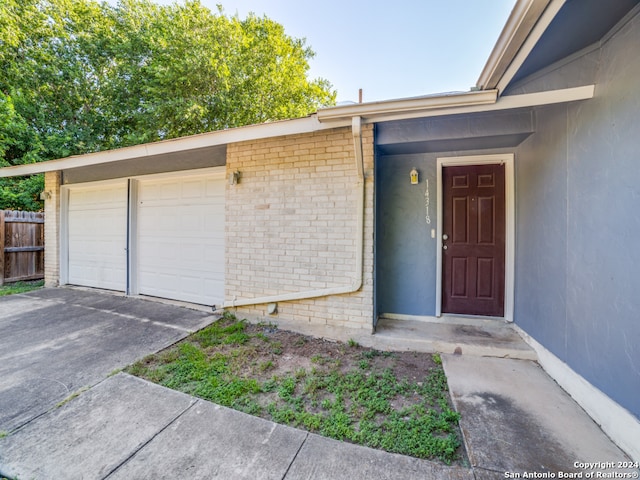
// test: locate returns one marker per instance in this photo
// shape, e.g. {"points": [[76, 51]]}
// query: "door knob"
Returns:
{"points": [[445, 237], [444, 247]]}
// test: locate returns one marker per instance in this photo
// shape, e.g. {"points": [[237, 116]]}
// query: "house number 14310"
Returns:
{"points": [[426, 203]]}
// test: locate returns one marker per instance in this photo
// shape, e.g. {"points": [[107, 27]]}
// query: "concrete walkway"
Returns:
{"points": [[127, 428], [515, 419]]}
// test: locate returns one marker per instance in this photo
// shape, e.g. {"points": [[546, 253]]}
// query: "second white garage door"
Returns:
{"points": [[180, 238]]}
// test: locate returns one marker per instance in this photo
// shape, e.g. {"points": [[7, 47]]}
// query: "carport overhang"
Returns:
{"points": [[209, 149]]}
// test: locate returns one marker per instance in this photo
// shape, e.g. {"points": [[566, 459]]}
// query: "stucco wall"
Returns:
{"points": [[291, 225], [405, 251], [578, 194]]}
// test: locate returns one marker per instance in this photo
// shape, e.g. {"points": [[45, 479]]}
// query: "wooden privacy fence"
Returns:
{"points": [[21, 246]]}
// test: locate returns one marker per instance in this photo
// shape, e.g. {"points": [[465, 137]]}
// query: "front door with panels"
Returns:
{"points": [[473, 241]]}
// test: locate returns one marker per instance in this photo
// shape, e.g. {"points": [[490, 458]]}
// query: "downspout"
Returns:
{"points": [[356, 283]]}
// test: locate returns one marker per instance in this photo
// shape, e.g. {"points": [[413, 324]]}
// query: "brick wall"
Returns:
{"points": [[52, 230], [291, 226]]}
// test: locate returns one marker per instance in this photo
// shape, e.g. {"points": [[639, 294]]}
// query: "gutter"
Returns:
{"points": [[325, 118], [372, 110], [356, 283]]}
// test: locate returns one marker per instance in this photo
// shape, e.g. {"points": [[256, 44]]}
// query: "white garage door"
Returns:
{"points": [[97, 235], [180, 227]]}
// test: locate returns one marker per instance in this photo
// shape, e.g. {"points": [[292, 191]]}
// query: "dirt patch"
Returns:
{"points": [[393, 401], [299, 350]]}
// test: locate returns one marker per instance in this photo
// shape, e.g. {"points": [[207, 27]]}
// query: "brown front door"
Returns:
{"points": [[473, 256]]}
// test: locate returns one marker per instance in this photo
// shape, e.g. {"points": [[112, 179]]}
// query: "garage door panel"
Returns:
{"points": [[193, 189], [181, 238], [97, 235]]}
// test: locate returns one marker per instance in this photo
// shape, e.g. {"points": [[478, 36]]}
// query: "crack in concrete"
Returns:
{"points": [[295, 456], [144, 444]]}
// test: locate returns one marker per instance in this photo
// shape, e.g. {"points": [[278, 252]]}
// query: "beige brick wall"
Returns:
{"points": [[291, 226], [52, 230]]}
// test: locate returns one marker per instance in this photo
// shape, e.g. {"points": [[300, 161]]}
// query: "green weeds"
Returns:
{"points": [[75, 394], [346, 394], [20, 287]]}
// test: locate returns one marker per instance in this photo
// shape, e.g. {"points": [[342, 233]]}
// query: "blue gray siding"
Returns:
{"points": [[578, 224], [577, 211], [405, 251]]}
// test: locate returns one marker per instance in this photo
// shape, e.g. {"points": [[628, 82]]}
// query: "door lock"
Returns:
{"points": [[445, 237]]}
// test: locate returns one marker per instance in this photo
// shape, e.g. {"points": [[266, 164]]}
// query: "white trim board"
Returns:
{"points": [[529, 44], [521, 21], [510, 229], [618, 423], [295, 126], [217, 172]]}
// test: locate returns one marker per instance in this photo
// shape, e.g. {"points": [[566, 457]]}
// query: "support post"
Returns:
{"points": [[2, 243]]}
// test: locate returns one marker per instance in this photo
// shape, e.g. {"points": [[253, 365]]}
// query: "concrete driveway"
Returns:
{"points": [[54, 342], [58, 341]]}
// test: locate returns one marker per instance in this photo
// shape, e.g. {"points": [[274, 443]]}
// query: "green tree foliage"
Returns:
{"points": [[79, 76]]}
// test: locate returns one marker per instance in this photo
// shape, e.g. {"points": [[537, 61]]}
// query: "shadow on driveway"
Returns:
{"points": [[53, 342]]}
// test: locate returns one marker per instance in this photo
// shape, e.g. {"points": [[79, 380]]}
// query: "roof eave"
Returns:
{"points": [[522, 21], [423, 108], [202, 140], [369, 112]]}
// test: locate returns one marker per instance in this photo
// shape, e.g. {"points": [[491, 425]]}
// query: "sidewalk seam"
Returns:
{"points": [[295, 456], [140, 447], [81, 391]]}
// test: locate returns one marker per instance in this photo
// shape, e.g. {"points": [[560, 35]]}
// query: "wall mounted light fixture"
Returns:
{"points": [[414, 177], [234, 177], [45, 195]]}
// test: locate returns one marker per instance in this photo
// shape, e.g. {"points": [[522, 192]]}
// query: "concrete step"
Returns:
{"points": [[466, 336]]}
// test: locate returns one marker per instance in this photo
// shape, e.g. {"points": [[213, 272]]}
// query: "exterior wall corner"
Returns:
{"points": [[52, 182]]}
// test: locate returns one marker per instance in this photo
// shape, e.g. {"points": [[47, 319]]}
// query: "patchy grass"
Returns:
{"points": [[20, 287], [397, 402], [75, 394]]}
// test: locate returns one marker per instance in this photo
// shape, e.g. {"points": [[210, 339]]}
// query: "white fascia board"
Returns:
{"points": [[203, 140], [301, 126], [504, 103], [543, 23], [372, 110], [522, 18]]}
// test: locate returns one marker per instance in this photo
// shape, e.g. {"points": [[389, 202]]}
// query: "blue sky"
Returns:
{"points": [[390, 49]]}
